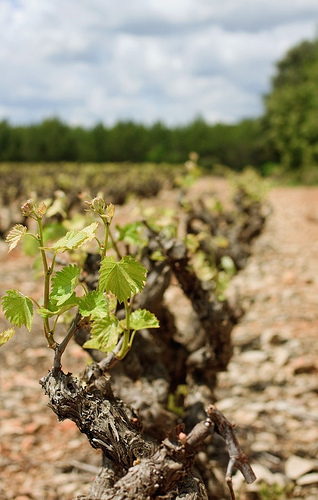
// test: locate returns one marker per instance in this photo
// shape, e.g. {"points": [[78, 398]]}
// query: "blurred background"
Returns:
{"points": [[151, 81]]}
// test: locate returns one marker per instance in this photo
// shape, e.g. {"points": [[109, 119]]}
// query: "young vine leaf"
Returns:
{"points": [[18, 308], [63, 284], [133, 233], [15, 236], [122, 278], [6, 336], [93, 304], [141, 318], [54, 310], [104, 334], [74, 239]]}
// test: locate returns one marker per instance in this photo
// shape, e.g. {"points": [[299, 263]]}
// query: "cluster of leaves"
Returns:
{"points": [[251, 184], [120, 278], [119, 281]]}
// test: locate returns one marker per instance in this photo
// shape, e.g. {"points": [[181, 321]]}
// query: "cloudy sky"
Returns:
{"points": [[87, 61]]}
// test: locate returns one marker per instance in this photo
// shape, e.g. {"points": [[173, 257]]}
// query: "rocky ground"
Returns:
{"points": [[270, 389]]}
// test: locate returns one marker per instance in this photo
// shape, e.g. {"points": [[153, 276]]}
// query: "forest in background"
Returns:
{"points": [[231, 145], [285, 138]]}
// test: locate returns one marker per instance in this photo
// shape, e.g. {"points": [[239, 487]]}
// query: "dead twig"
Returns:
{"points": [[238, 459]]}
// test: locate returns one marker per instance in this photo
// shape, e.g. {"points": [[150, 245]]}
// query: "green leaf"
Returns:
{"points": [[202, 267], [133, 234], [51, 232], [122, 278], [157, 256], [93, 304], [74, 239], [105, 333], [222, 241], [228, 265], [53, 309], [18, 308], [46, 313], [90, 231], [15, 235], [141, 318], [64, 283], [6, 336]]}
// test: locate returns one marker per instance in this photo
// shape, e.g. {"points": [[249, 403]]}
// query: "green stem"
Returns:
{"points": [[41, 241], [131, 339], [104, 249], [47, 276], [55, 323], [126, 342], [35, 302], [32, 236], [99, 243], [115, 245], [125, 347], [127, 310], [108, 235]]}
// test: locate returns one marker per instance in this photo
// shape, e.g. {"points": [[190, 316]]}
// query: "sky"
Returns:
{"points": [[91, 61]]}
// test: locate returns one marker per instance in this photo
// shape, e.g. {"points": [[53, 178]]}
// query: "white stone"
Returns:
{"points": [[280, 356], [253, 357], [296, 467], [308, 479], [228, 404], [243, 417]]}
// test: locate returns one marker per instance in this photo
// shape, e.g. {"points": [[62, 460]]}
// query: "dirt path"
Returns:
{"points": [[270, 390]]}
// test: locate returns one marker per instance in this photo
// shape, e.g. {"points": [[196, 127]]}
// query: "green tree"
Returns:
{"points": [[5, 136], [159, 143], [234, 145], [100, 143], [292, 107], [127, 142]]}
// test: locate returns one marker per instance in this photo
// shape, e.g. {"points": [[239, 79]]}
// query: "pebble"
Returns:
{"points": [[252, 357], [296, 466], [264, 441], [244, 417], [280, 356], [308, 479], [228, 403]]}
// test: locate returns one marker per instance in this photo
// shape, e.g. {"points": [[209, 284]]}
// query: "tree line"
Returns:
{"points": [[52, 140], [285, 134]]}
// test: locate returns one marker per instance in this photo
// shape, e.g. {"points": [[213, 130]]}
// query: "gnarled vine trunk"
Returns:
{"points": [[131, 427]]}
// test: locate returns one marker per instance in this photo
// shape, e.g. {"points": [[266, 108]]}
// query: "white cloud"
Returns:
{"points": [[96, 60]]}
